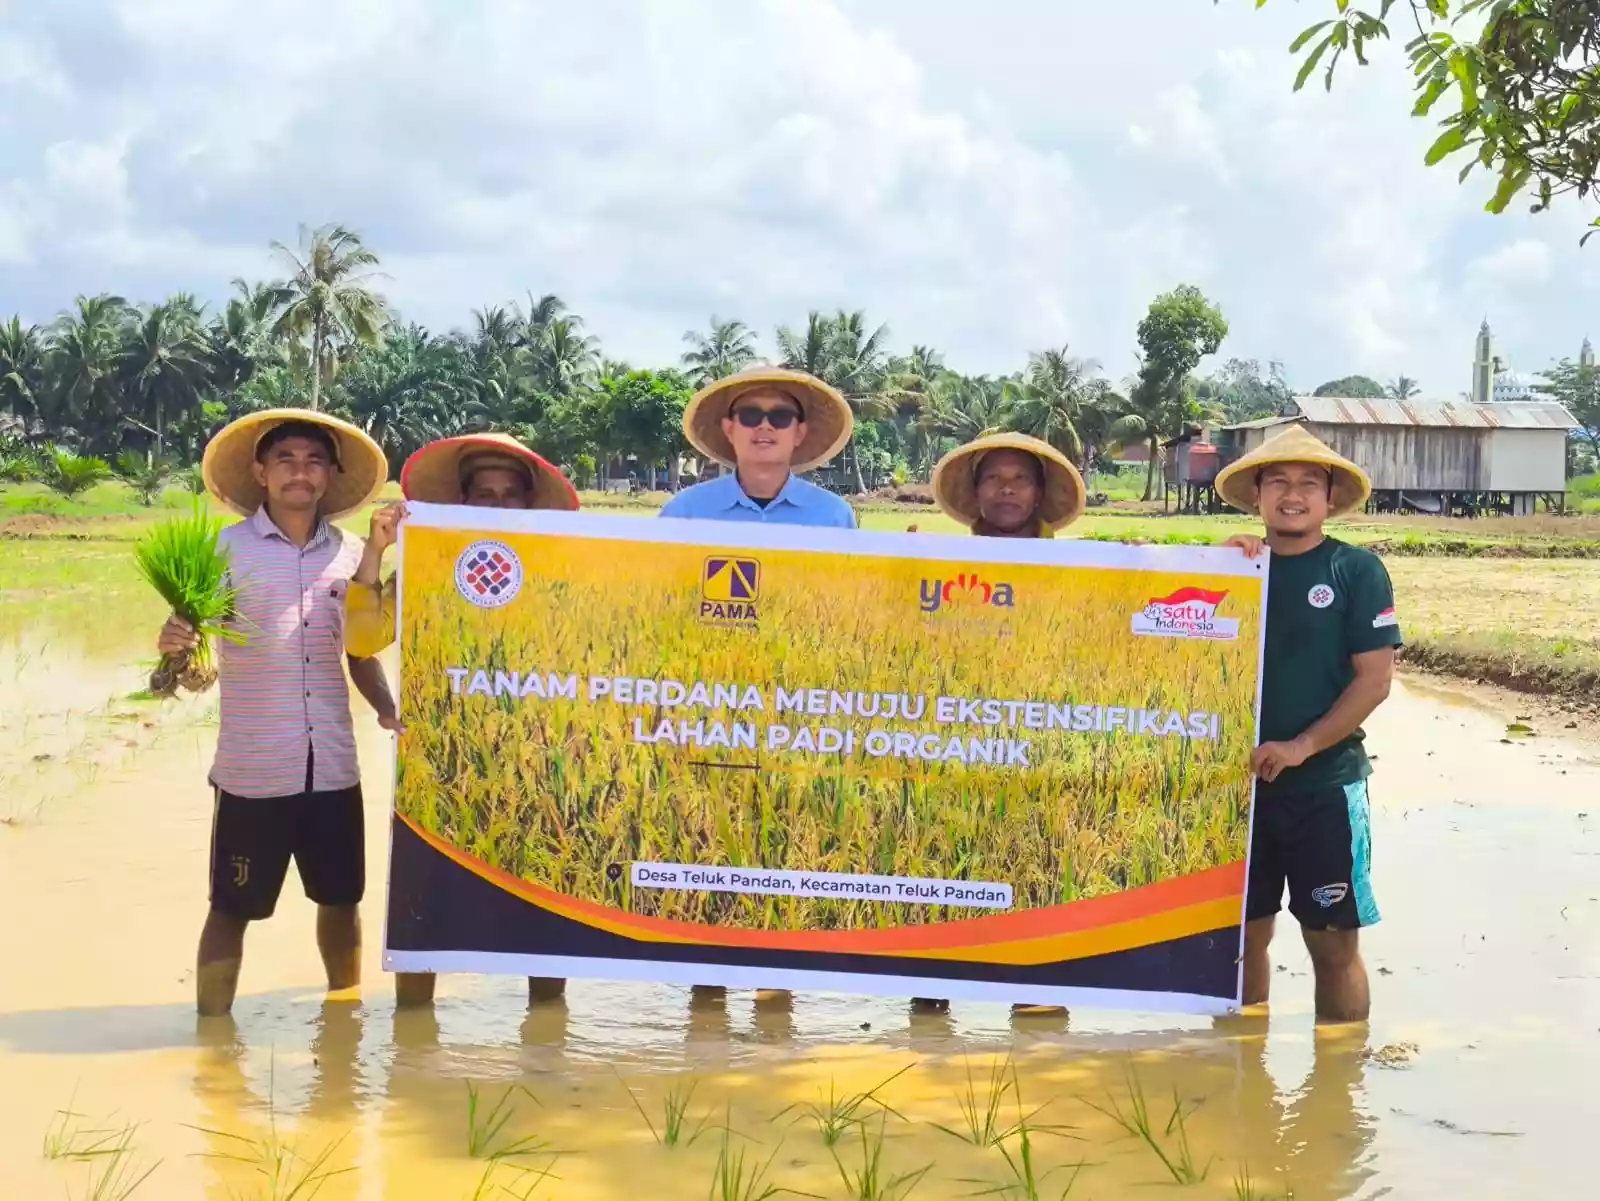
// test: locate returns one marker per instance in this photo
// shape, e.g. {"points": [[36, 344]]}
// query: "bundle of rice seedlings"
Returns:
{"points": [[184, 563]]}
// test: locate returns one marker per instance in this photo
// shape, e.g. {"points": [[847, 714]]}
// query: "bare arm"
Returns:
{"points": [[1370, 688], [381, 536], [367, 675]]}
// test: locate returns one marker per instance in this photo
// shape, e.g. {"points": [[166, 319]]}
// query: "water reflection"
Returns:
{"points": [[388, 1092]]}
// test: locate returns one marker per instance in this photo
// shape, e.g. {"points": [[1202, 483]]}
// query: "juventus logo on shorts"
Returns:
{"points": [[241, 871]]}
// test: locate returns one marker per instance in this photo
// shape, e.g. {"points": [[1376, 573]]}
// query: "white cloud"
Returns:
{"points": [[1516, 264], [986, 180]]}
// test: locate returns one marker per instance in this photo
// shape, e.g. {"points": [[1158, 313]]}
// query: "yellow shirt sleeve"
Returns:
{"points": [[368, 618]]}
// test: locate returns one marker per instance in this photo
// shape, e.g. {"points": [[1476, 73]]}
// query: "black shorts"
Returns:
{"points": [[1319, 843], [253, 839]]}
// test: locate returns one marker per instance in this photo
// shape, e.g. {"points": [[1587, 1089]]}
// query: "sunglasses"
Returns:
{"points": [[751, 417]]}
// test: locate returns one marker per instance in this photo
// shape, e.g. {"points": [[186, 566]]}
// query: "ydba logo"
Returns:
{"points": [[1187, 613], [966, 592]]}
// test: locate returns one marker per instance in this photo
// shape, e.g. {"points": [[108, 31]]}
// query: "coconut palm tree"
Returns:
{"points": [[411, 390], [83, 349], [1403, 388], [841, 351], [239, 336], [728, 347], [22, 377], [1057, 389], [165, 365], [542, 313], [327, 299], [566, 361], [964, 407], [907, 389]]}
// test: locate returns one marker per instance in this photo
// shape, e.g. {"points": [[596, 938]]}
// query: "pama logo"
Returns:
{"points": [[965, 592], [1188, 613], [728, 591]]}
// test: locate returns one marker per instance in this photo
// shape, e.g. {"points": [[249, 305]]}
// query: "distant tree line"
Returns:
{"points": [[138, 389]]}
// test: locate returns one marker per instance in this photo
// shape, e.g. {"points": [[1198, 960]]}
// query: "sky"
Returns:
{"points": [[988, 180]]}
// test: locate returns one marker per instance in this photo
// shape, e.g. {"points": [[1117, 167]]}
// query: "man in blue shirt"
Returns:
{"points": [[770, 425]]}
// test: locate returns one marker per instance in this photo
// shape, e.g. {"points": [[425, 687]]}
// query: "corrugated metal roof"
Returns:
{"points": [[1260, 423], [1506, 414]]}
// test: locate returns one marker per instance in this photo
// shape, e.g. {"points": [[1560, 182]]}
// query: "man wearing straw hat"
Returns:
{"points": [[492, 471], [286, 781], [1331, 638], [1007, 486], [770, 425]]}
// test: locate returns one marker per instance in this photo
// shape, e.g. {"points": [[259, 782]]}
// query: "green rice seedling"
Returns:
{"points": [[871, 1181], [739, 1176], [286, 1174], [674, 1116], [481, 1193], [1178, 1159], [182, 561], [68, 1138], [835, 1115], [1244, 1189], [525, 1188], [1024, 1178], [485, 1126], [116, 1175], [981, 1112]]}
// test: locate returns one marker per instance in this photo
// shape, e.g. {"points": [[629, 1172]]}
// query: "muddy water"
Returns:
{"points": [[1487, 964]]}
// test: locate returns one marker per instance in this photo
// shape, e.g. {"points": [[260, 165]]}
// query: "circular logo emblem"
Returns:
{"points": [[1320, 596], [489, 574]]}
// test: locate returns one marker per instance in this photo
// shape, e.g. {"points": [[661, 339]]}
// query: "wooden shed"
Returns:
{"points": [[1435, 456]]}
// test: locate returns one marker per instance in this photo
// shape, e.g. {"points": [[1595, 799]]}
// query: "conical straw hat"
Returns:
{"points": [[433, 474], [1236, 483], [226, 467], [955, 480], [827, 413]]}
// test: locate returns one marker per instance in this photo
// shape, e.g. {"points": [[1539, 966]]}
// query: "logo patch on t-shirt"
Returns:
{"points": [[1320, 597], [1386, 618]]}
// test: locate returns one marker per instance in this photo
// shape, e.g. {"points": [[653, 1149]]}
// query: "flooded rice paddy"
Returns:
{"points": [[1475, 1078]]}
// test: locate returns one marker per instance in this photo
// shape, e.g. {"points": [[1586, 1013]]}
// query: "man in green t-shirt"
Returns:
{"points": [[1330, 649]]}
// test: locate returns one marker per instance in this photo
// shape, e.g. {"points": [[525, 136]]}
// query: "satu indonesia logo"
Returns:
{"points": [[729, 589], [1187, 613], [489, 574], [969, 591]]}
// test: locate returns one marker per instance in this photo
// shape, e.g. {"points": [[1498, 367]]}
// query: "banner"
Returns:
{"points": [[911, 765]]}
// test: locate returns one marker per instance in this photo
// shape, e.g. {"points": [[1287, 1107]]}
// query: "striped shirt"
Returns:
{"points": [[284, 693]]}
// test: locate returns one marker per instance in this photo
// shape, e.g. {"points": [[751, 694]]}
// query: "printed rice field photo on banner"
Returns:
{"points": [[724, 744]]}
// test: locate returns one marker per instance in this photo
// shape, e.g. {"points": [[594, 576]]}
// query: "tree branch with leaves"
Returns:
{"points": [[1519, 81]]}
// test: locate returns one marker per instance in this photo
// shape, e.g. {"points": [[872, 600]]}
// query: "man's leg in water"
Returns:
{"points": [[1342, 991], [1257, 963], [412, 989], [545, 988], [216, 977]]}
